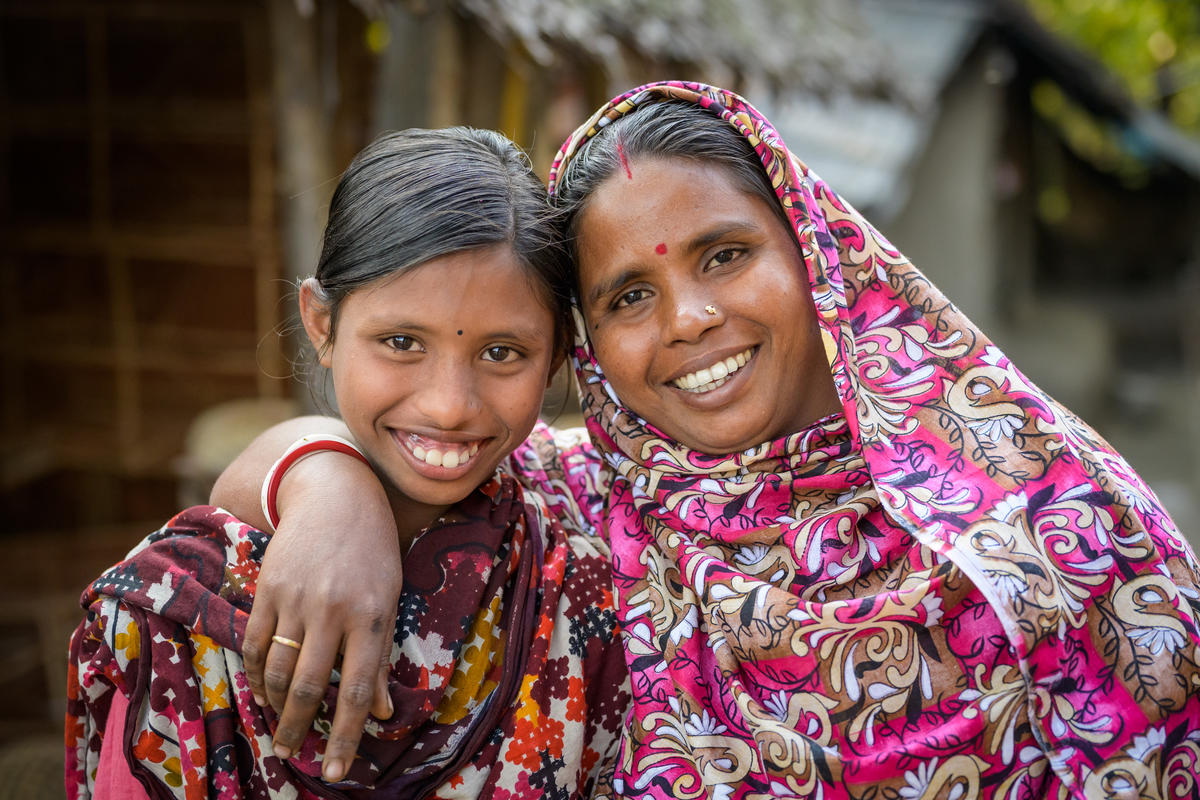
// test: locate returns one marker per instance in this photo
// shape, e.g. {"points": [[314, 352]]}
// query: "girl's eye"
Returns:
{"points": [[630, 297], [500, 354], [724, 256], [402, 343]]}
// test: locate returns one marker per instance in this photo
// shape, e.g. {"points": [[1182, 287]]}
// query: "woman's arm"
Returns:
{"points": [[330, 579]]}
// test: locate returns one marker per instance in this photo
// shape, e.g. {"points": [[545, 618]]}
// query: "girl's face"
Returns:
{"points": [[663, 245], [439, 371]]}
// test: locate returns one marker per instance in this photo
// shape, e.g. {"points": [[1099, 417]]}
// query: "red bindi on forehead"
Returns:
{"points": [[661, 248]]}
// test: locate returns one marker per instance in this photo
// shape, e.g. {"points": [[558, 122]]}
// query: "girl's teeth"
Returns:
{"points": [[450, 459]]}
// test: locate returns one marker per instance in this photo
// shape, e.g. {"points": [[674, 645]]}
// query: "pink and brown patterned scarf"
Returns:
{"points": [[507, 677], [954, 588]]}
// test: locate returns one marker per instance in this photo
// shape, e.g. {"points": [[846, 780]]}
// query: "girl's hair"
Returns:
{"points": [[667, 129], [411, 196]]}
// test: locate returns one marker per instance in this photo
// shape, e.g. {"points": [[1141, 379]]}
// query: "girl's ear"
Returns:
{"points": [[317, 319]]}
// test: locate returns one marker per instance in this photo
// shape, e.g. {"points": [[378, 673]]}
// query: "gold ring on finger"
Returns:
{"points": [[285, 641]]}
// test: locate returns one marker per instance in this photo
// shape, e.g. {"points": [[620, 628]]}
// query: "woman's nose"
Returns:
{"points": [[689, 315]]}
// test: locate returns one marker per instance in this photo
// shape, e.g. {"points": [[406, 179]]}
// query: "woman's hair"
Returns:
{"points": [[414, 195], [668, 129]]}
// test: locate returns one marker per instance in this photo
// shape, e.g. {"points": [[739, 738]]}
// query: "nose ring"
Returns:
{"points": [[711, 309]]}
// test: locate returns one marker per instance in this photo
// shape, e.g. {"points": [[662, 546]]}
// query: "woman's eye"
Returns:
{"points": [[724, 256], [630, 297], [403, 343], [500, 354]]}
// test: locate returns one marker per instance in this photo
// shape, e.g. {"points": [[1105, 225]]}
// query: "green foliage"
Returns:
{"points": [[1152, 45]]}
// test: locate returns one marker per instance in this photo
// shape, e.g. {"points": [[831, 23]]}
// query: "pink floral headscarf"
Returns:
{"points": [[955, 586]]}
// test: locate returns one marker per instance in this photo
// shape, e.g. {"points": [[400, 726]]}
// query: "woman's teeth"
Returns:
{"points": [[448, 456], [705, 380]]}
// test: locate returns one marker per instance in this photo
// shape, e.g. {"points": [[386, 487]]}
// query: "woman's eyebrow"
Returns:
{"points": [[612, 284], [716, 234]]}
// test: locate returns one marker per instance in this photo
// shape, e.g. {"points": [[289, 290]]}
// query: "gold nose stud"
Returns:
{"points": [[711, 309]]}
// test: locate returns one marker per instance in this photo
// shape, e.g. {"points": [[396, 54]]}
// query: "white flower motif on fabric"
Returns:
{"points": [[917, 781], [703, 724], [1158, 639], [1005, 509], [996, 428], [750, 554], [777, 705], [686, 626], [1142, 746], [992, 356]]}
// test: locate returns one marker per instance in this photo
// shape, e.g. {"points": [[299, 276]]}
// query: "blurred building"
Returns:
{"points": [[1062, 218]]}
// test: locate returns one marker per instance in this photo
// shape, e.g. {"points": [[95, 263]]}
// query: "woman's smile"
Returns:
{"points": [[716, 375]]}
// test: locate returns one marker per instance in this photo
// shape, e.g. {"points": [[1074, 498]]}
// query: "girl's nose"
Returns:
{"points": [[448, 397]]}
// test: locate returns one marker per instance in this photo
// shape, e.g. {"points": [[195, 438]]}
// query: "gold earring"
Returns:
{"points": [[711, 309]]}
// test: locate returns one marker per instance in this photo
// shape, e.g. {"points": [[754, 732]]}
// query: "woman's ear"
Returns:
{"points": [[317, 319]]}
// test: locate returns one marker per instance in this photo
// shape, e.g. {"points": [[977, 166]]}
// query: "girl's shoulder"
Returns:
{"points": [[564, 469]]}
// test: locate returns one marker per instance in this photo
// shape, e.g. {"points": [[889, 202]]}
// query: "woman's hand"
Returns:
{"points": [[330, 581]]}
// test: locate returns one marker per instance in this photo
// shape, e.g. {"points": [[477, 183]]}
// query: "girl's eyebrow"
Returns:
{"points": [[520, 333]]}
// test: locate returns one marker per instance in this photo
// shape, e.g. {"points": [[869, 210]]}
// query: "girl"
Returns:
{"points": [[433, 309], [856, 552]]}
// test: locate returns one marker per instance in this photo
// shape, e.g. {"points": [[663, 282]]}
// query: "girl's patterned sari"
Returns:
{"points": [[505, 673], [954, 588]]}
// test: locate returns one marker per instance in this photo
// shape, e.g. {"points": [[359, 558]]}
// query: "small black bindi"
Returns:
{"points": [[460, 333]]}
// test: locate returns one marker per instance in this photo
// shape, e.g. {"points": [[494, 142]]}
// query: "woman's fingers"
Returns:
{"points": [[357, 688], [306, 682], [255, 646], [381, 706]]}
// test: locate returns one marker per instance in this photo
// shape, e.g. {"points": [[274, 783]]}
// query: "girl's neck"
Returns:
{"points": [[412, 518]]}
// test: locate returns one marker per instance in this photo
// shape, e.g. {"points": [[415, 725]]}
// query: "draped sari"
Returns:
{"points": [[953, 587], [506, 675]]}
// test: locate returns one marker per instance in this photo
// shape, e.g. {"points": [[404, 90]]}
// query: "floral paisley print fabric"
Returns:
{"points": [[506, 674], [954, 588]]}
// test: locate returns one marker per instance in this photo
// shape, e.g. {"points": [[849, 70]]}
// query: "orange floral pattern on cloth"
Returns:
{"points": [[953, 588], [506, 672]]}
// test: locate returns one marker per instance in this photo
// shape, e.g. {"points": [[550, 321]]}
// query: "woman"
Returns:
{"points": [[856, 552], [434, 310]]}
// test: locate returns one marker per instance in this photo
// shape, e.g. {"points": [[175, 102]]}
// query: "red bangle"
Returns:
{"points": [[304, 446]]}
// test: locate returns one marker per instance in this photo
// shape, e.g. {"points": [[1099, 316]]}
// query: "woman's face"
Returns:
{"points": [[663, 245], [439, 371]]}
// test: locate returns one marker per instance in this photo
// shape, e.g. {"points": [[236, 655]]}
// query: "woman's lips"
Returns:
{"points": [[714, 376]]}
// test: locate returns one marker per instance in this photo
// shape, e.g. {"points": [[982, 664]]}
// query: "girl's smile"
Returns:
{"points": [[439, 372]]}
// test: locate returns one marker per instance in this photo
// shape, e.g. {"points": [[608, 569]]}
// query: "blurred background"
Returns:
{"points": [[165, 168]]}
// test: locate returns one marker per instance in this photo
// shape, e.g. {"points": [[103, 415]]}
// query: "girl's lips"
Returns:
{"points": [[436, 458]]}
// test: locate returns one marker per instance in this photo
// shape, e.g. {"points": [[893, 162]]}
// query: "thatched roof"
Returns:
{"points": [[811, 45]]}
